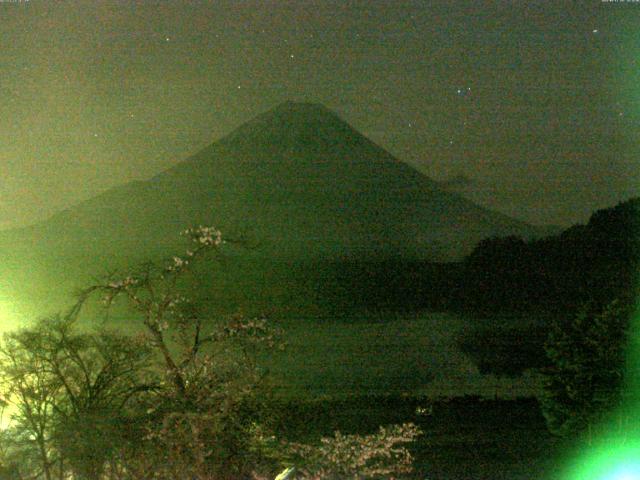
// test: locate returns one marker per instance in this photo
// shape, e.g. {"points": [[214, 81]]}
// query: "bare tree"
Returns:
{"points": [[34, 391], [210, 364], [69, 389]]}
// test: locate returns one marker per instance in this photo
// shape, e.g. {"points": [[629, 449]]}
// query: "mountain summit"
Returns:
{"points": [[301, 181], [296, 126], [308, 184]]}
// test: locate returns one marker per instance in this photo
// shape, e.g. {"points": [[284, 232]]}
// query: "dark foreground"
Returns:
{"points": [[465, 438]]}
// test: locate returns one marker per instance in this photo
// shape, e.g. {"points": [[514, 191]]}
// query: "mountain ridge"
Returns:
{"points": [[297, 178]]}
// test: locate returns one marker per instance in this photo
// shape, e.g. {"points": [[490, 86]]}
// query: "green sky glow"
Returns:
{"points": [[615, 455], [611, 460]]}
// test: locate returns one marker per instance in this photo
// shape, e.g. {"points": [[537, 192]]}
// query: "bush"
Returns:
{"points": [[584, 380], [379, 455]]}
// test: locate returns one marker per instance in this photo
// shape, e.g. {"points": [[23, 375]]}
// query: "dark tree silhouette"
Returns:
{"points": [[587, 353]]}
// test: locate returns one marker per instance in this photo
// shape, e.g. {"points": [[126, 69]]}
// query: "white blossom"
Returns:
{"points": [[205, 236], [178, 262]]}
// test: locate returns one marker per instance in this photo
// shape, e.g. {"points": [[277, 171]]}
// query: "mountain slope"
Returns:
{"points": [[298, 179]]}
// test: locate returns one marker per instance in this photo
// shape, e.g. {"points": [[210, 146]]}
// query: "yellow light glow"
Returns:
{"points": [[8, 316]]}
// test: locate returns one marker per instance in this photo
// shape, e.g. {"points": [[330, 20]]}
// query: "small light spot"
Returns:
{"points": [[595, 30], [167, 39]]}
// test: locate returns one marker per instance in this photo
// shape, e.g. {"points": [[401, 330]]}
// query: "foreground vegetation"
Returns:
{"points": [[184, 398], [183, 393], [464, 438]]}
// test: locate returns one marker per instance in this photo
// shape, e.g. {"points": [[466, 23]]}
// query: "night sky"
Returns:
{"points": [[537, 102]]}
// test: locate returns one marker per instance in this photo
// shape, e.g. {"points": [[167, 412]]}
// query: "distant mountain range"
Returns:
{"points": [[297, 179]]}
